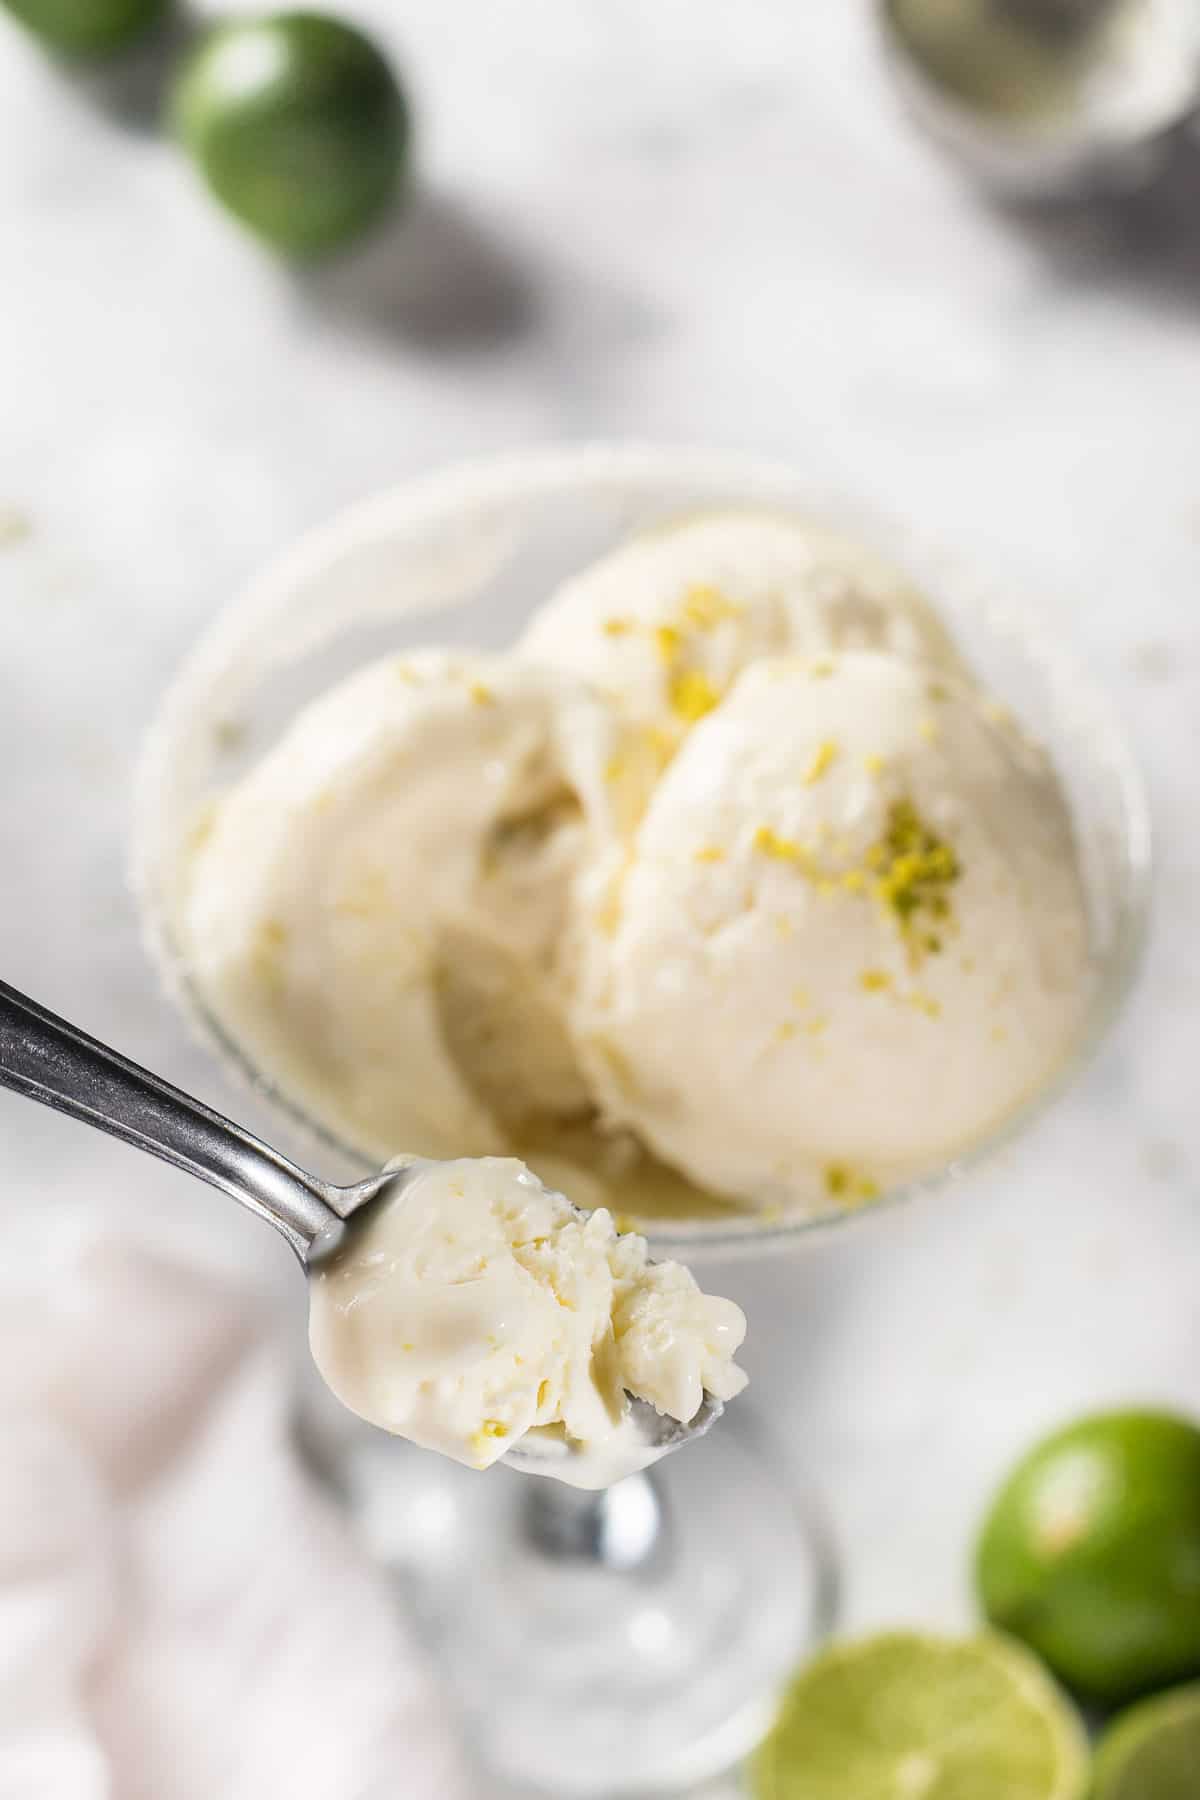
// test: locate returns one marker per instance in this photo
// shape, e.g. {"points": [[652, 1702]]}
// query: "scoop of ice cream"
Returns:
{"points": [[474, 1305], [850, 940], [666, 623], [381, 915]]}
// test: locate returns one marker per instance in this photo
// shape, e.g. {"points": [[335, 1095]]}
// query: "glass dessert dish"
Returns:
{"points": [[635, 1639]]}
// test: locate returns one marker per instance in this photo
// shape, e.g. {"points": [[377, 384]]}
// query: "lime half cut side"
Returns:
{"points": [[904, 1716], [1152, 1752]]}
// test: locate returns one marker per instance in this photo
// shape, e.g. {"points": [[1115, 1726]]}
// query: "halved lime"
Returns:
{"points": [[904, 1716], [1152, 1752]]}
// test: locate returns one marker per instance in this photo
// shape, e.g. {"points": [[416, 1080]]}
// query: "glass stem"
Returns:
{"points": [[622, 1528]]}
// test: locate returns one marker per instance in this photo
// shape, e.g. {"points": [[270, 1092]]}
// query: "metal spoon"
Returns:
{"points": [[46, 1059]]}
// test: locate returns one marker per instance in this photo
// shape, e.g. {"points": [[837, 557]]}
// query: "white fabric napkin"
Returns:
{"points": [[183, 1613]]}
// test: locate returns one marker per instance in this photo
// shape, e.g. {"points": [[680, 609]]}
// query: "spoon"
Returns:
{"points": [[46, 1059]]}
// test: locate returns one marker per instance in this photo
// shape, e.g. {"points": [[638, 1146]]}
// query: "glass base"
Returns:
{"points": [[604, 1644]]}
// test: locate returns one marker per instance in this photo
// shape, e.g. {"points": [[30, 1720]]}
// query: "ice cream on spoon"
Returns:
{"points": [[460, 1304], [474, 1310]]}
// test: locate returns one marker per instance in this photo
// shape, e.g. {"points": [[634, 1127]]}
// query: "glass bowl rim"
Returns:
{"points": [[538, 474]]}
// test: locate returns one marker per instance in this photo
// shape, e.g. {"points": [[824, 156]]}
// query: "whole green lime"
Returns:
{"points": [[298, 124], [1152, 1752], [1091, 1554], [87, 27]]}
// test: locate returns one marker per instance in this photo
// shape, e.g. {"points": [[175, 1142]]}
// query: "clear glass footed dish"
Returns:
{"points": [[600, 1644]]}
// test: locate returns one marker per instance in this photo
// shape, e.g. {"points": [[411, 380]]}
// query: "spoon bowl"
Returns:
{"points": [[57, 1064]]}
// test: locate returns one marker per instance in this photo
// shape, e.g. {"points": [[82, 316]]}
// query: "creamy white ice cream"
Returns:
{"points": [[728, 880], [665, 624], [475, 1305], [383, 913], [851, 938]]}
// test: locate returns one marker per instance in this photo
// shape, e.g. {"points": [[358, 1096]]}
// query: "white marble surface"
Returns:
{"points": [[688, 221]]}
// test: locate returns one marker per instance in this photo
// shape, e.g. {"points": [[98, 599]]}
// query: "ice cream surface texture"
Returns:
{"points": [[382, 913], [850, 940], [474, 1305], [666, 623], [728, 887]]}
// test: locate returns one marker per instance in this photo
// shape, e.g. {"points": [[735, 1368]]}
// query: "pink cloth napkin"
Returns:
{"points": [[183, 1612]]}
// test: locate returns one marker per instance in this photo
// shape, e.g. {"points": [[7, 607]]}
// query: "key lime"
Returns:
{"points": [[298, 125], [910, 1717], [86, 27], [1091, 1554], [1153, 1751]]}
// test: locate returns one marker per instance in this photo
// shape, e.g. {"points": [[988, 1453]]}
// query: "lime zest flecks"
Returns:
{"points": [[785, 1031], [782, 849], [667, 641], [641, 757], [822, 760], [617, 627], [909, 871], [822, 669], [848, 1185], [705, 607], [660, 743], [709, 853], [692, 695], [481, 694], [915, 871], [874, 765], [927, 729], [875, 981], [488, 1432]]}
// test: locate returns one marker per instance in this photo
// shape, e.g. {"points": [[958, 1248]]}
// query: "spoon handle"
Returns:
{"points": [[46, 1059]]}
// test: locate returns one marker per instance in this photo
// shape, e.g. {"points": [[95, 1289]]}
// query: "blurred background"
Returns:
{"points": [[693, 223]]}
